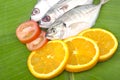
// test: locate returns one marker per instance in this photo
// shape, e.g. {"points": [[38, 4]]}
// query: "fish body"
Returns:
{"points": [[59, 9], [41, 8], [74, 21]]}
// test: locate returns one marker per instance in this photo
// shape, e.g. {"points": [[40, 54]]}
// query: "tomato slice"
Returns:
{"points": [[38, 42], [28, 31]]}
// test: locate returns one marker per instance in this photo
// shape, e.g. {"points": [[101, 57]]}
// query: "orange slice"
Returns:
{"points": [[84, 54], [49, 61], [106, 41]]}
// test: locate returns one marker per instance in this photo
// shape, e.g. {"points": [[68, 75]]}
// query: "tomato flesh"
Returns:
{"points": [[28, 31], [40, 41]]}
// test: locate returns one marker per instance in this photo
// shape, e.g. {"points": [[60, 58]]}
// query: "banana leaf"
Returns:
{"points": [[13, 54]]}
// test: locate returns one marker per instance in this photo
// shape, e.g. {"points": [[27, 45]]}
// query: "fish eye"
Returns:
{"points": [[64, 24], [46, 18], [35, 11], [53, 30]]}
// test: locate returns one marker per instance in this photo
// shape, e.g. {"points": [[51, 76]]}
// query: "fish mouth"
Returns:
{"points": [[42, 25], [49, 36]]}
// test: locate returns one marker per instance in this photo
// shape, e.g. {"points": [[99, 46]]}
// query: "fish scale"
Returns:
{"points": [[74, 21], [59, 9]]}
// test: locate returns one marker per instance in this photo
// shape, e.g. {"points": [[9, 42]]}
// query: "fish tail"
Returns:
{"points": [[103, 1]]}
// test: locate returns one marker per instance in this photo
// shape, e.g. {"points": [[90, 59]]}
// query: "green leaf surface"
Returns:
{"points": [[13, 54]]}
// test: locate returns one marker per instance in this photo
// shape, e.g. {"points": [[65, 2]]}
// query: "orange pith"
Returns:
{"points": [[49, 61], [84, 54], [106, 41]]}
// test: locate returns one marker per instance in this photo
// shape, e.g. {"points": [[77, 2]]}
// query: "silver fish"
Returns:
{"points": [[74, 21], [59, 9], [41, 8]]}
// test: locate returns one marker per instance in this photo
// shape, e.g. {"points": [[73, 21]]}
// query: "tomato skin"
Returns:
{"points": [[38, 42], [28, 31]]}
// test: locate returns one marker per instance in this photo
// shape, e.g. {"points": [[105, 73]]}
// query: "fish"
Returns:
{"points": [[59, 9], [74, 21], [41, 8]]}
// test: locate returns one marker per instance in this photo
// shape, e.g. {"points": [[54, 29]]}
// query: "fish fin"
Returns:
{"points": [[75, 28], [103, 1], [79, 26], [64, 7]]}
